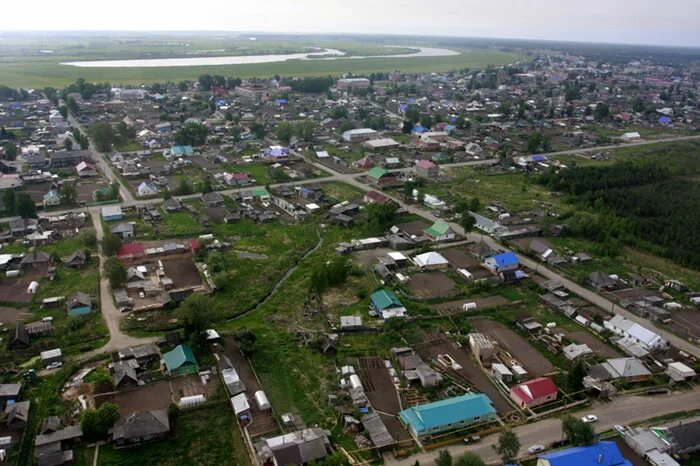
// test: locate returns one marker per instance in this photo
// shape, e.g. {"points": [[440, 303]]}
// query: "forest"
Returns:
{"points": [[640, 204]]}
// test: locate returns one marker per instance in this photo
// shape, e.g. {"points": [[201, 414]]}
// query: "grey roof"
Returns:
{"points": [[79, 299], [139, 351], [125, 370], [141, 424], [36, 257], [298, 447], [122, 228], [685, 436], [378, 432], [17, 412], [77, 256], [621, 368], [69, 433], [10, 389]]}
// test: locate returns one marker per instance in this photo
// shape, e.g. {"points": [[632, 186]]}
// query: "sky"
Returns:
{"points": [[654, 22]]}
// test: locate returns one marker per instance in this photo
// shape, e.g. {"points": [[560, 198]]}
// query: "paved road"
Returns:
{"points": [[624, 411]]}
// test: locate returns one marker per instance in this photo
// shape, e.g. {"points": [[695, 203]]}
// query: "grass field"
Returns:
{"points": [[22, 64]]}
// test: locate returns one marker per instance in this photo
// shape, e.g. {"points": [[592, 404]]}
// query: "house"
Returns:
{"points": [[352, 83], [79, 304], [386, 304], [427, 169], [375, 197], [112, 212], [502, 262], [19, 338], [487, 225], [172, 205], [625, 369], [51, 357], [180, 151], [212, 199], [35, 259], [180, 361], [124, 374], [501, 372], [51, 199], [300, 447], [360, 135], [50, 443], [684, 438], [601, 281], [439, 231], [635, 333], [77, 260], [534, 392], [123, 230], [482, 347], [631, 136], [9, 393], [599, 454], [17, 415], [146, 189], [138, 428], [431, 260], [449, 414], [85, 170], [143, 354], [381, 144], [380, 176]]}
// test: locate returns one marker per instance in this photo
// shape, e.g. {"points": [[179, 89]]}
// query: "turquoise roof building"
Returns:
{"points": [[180, 361], [450, 414]]}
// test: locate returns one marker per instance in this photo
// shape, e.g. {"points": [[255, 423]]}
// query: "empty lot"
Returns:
{"points": [[183, 272], [453, 307], [594, 343], [517, 346]]}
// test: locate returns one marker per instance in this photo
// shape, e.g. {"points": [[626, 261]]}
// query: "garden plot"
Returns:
{"points": [[594, 343], [454, 307], [432, 285], [471, 371], [517, 346]]}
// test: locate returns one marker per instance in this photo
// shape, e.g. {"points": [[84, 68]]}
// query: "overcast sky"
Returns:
{"points": [[669, 22]]}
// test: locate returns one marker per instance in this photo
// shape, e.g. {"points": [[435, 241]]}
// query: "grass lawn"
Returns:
{"points": [[179, 225], [205, 436], [341, 191]]}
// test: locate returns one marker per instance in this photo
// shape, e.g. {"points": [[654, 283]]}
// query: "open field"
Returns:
{"points": [[22, 65]]}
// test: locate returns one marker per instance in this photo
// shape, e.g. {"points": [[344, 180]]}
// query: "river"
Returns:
{"points": [[325, 54]]}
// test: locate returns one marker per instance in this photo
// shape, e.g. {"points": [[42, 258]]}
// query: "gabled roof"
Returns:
{"points": [[505, 259], [79, 299], [384, 299], [36, 257], [429, 258], [377, 173], [439, 228], [535, 389], [179, 356]]}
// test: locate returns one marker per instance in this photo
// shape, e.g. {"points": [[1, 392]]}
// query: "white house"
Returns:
{"points": [[629, 137], [431, 260], [147, 189], [636, 333]]}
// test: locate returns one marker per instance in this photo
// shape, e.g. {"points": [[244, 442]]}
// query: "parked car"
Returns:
{"points": [[54, 365], [589, 418], [620, 429], [535, 449]]}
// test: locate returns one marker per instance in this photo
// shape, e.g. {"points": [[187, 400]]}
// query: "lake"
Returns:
{"points": [[328, 54]]}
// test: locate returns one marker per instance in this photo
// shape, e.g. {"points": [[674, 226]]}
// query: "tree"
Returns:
{"points": [[72, 105], [110, 244], [183, 187], [11, 151], [469, 459], [246, 340], [577, 432], [305, 130], [407, 127], [115, 272], [444, 458], [466, 221], [284, 132], [575, 377], [507, 446], [380, 216], [103, 136], [197, 313], [258, 129], [25, 206], [95, 423], [68, 192], [602, 111], [8, 199], [192, 134], [68, 144]]}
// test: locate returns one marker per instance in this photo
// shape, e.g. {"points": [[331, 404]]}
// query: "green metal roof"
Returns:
{"points": [[179, 356], [377, 172], [384, 299], [261, 192], [439, 228]]}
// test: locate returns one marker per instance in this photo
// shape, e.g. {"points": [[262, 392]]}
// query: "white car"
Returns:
{"points": [[589, 418], [620, 429], [535, 449]]}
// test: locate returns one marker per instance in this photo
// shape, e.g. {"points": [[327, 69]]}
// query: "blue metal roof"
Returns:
{"points": [[600, 454], [538, 158], [505, 259], [450, 411]]}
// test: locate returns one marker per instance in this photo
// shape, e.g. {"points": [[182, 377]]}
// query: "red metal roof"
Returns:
{"points": [[130, 250], [535, 389]]}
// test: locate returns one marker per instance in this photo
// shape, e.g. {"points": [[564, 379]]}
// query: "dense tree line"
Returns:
{"points": [[311, 84], [638, 204], [86, 89]]}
